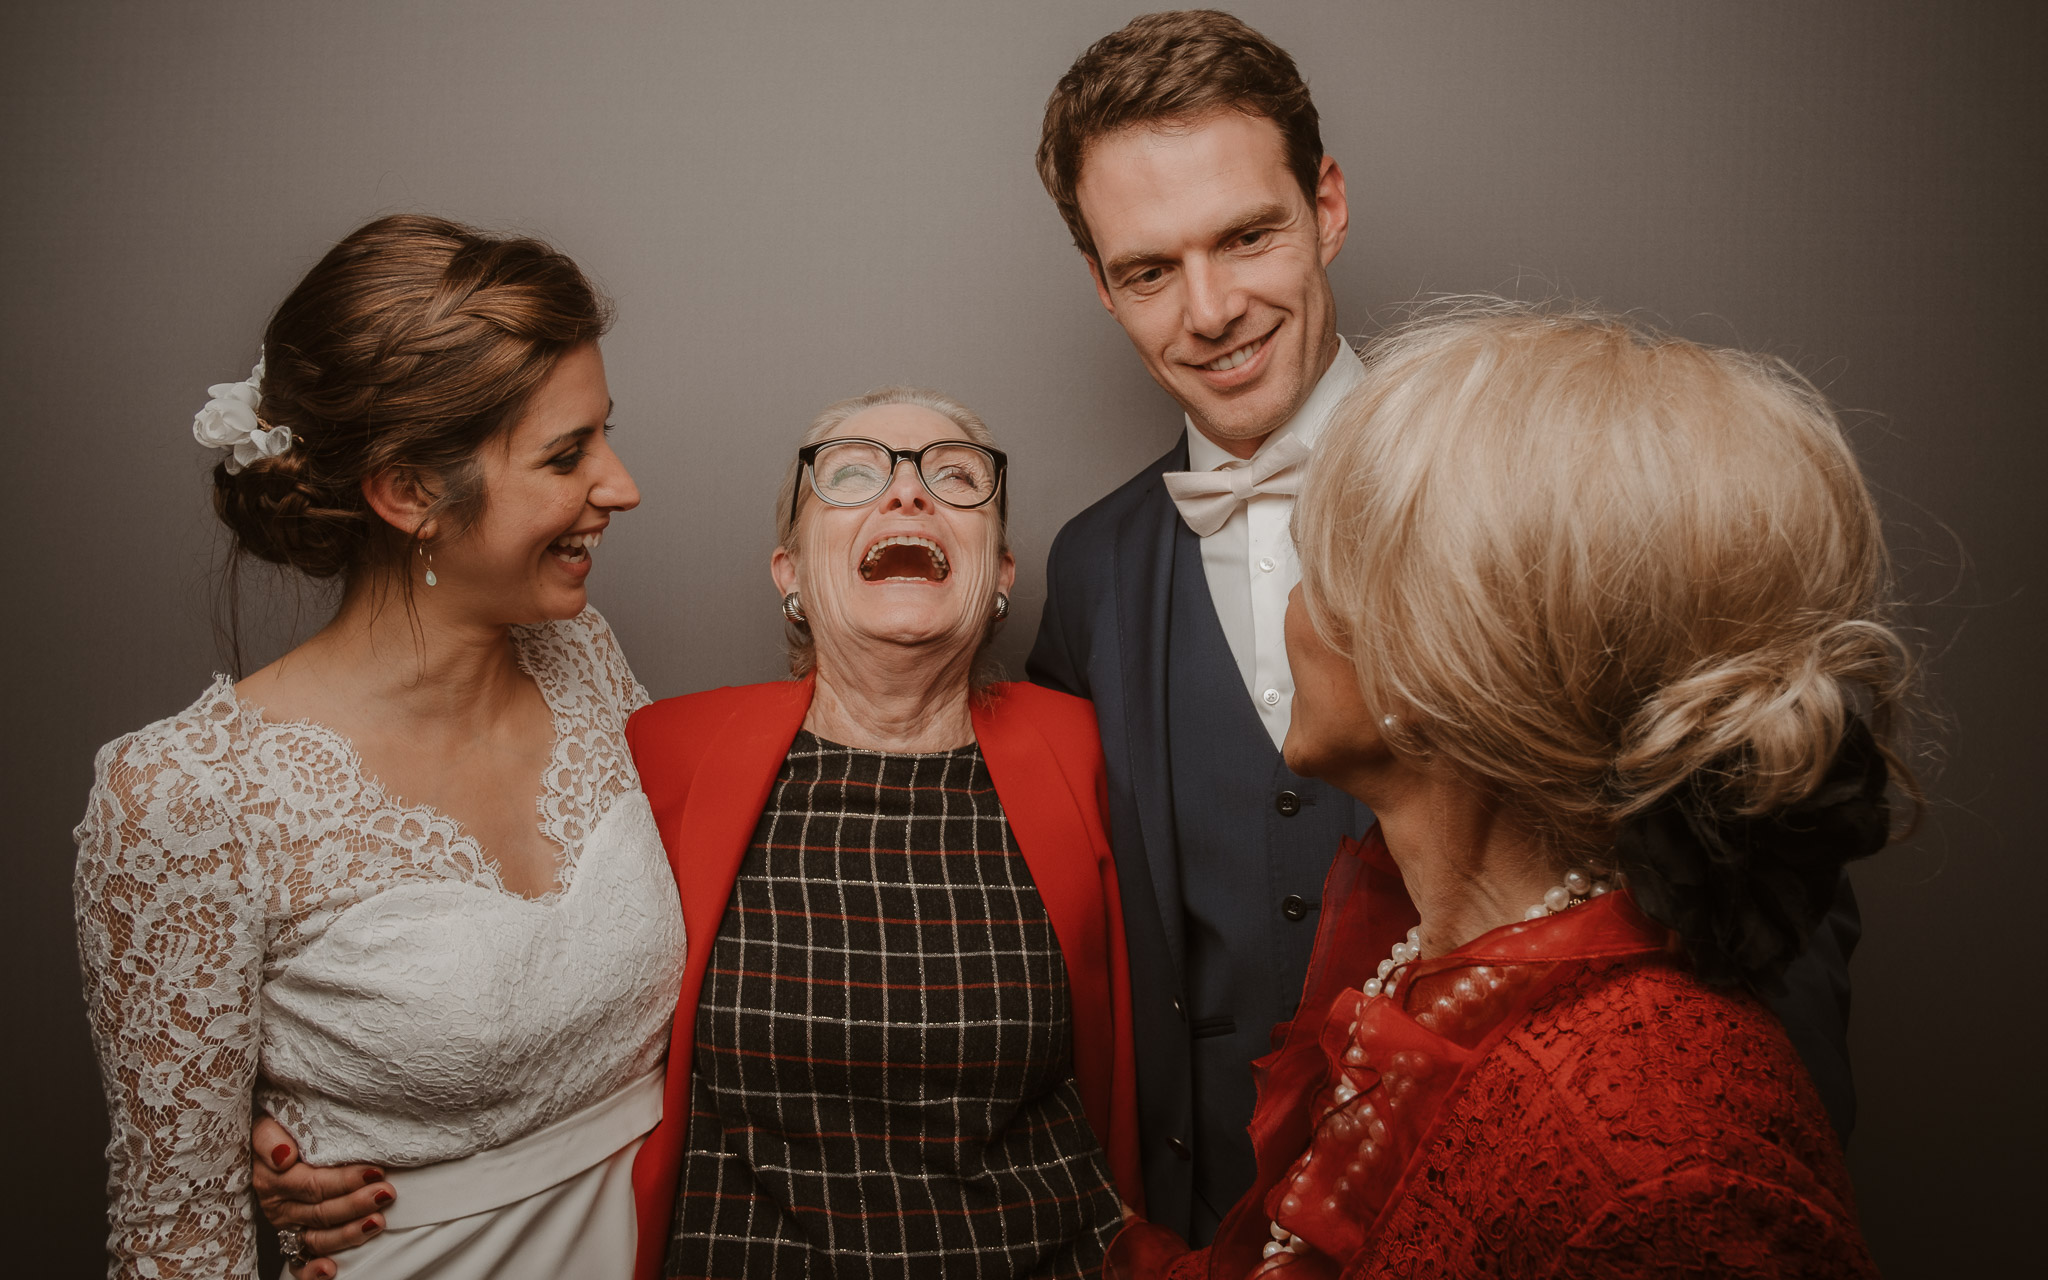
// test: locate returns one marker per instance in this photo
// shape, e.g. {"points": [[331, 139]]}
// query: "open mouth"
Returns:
{"points": [[575, 548], [904, 558], [1225, 363]]}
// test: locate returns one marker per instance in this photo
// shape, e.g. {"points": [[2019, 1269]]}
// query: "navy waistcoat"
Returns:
{"points": [[1255, 841]]}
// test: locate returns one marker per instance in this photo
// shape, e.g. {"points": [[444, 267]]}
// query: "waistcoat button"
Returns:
{"points": [[1287, 803], [1180, 1148], [1294, 908]]}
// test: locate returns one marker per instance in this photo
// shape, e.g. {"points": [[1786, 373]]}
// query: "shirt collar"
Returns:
{"points": [[1344, 373]]}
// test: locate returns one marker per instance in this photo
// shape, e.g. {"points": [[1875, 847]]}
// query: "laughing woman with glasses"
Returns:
{"points": [[906, 1050]]}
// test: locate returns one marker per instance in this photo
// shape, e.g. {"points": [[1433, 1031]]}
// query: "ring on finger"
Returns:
{"points": [[291, 1242]]}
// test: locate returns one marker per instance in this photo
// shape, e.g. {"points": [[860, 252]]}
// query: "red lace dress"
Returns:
{"points": [[1558, 1097]]}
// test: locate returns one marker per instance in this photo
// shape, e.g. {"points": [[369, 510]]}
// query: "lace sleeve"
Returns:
{"points": [[170, 936], [609, 663]]}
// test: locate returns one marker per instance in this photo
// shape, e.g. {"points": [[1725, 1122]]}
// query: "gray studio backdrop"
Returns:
{"points": [[794, 202]]}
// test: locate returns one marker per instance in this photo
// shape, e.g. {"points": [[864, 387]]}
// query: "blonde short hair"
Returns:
{"points": [[1585, 563], [803, 657]]}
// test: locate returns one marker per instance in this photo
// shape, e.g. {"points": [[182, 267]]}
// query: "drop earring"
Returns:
{"points": [[428, 556]]}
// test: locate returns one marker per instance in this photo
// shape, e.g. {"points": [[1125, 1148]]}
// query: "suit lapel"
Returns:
{"points": [[1142, 587]]}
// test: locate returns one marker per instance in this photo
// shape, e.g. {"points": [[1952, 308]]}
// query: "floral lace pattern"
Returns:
{"points": [[1637, 1124], [256, 916], [1558, 1097]]}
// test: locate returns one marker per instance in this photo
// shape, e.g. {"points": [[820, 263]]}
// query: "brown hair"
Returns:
{"points": [[1588, 566], [409, 345], [1167, 68]]}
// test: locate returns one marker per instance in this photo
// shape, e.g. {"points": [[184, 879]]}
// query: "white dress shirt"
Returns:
{"points": [[1250, 561]]}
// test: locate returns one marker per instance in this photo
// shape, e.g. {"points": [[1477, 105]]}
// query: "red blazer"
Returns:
{"points": [[707, 762]]}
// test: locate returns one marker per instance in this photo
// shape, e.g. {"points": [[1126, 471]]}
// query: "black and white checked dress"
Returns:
{"points": [[883, 1082]]}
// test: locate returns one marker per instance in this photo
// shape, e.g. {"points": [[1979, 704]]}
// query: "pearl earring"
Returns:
{"points": [[428, 556], [793, 609], [1390, 725]]}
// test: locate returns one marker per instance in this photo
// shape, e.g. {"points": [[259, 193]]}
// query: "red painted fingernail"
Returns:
{"points": [[372, 1175], [281, 1153], [371, 1226], [383, 1198]]}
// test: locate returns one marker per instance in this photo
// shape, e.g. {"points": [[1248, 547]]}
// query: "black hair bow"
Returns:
{"points": [[1745, 893]]}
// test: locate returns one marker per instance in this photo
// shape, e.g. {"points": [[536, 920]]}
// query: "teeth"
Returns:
{"points": [[1235, 358], [906, 540], [583, 543]]}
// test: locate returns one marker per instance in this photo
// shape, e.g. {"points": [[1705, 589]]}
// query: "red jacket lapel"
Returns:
{"points": [[707, 762], [1045, 758]]}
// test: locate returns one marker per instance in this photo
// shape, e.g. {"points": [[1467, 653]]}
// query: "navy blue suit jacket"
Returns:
{"points": [[1103, 636]]}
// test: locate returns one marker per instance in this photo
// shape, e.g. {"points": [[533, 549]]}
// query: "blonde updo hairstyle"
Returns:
{"points": [[1585, 564], [795, 497], [412, 343]]}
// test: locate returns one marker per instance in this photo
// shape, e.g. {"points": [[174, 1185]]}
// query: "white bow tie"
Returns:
{"points": [[1207, 499]]}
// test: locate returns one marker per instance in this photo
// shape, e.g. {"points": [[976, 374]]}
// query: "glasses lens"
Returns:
{"points": [[850, 473], [959, 473]]}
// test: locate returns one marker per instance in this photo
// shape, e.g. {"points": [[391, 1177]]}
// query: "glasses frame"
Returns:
{"points": [[807, 471]]}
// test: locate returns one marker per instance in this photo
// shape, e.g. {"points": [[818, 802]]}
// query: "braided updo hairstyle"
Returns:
{"points": [[411, 344], [1632, 588]]}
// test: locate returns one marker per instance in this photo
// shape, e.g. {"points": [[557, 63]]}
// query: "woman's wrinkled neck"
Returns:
{"points": [[879, 696], [1468, 867]]}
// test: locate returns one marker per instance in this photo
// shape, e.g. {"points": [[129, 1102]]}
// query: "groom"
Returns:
{"points": [[1185, 155]]}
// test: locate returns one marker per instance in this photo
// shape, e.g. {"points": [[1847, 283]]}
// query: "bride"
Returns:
{"points": [[400, 887]]}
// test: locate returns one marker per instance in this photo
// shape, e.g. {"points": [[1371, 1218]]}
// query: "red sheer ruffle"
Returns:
{"points": [[1356, 1087]]}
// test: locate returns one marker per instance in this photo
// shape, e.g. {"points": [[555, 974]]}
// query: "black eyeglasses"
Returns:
{"points": [[852, 471]]}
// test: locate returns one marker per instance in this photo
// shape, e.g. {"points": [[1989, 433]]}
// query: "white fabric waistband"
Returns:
{"points": [[502, 1175]]}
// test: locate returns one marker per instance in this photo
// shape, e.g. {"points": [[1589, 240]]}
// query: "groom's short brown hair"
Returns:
{"points": [[1173, 68]]}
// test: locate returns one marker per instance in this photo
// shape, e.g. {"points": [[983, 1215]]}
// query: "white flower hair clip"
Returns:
{"points": [[229, 421]]}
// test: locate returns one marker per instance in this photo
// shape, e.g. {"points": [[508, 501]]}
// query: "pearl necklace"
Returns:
{"points": [[1578, 887]]}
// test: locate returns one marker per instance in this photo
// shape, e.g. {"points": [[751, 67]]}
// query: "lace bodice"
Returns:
{"points": [[256, 916]]}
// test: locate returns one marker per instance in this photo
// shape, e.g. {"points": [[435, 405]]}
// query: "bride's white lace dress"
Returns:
{"points": [[257, 917]]}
